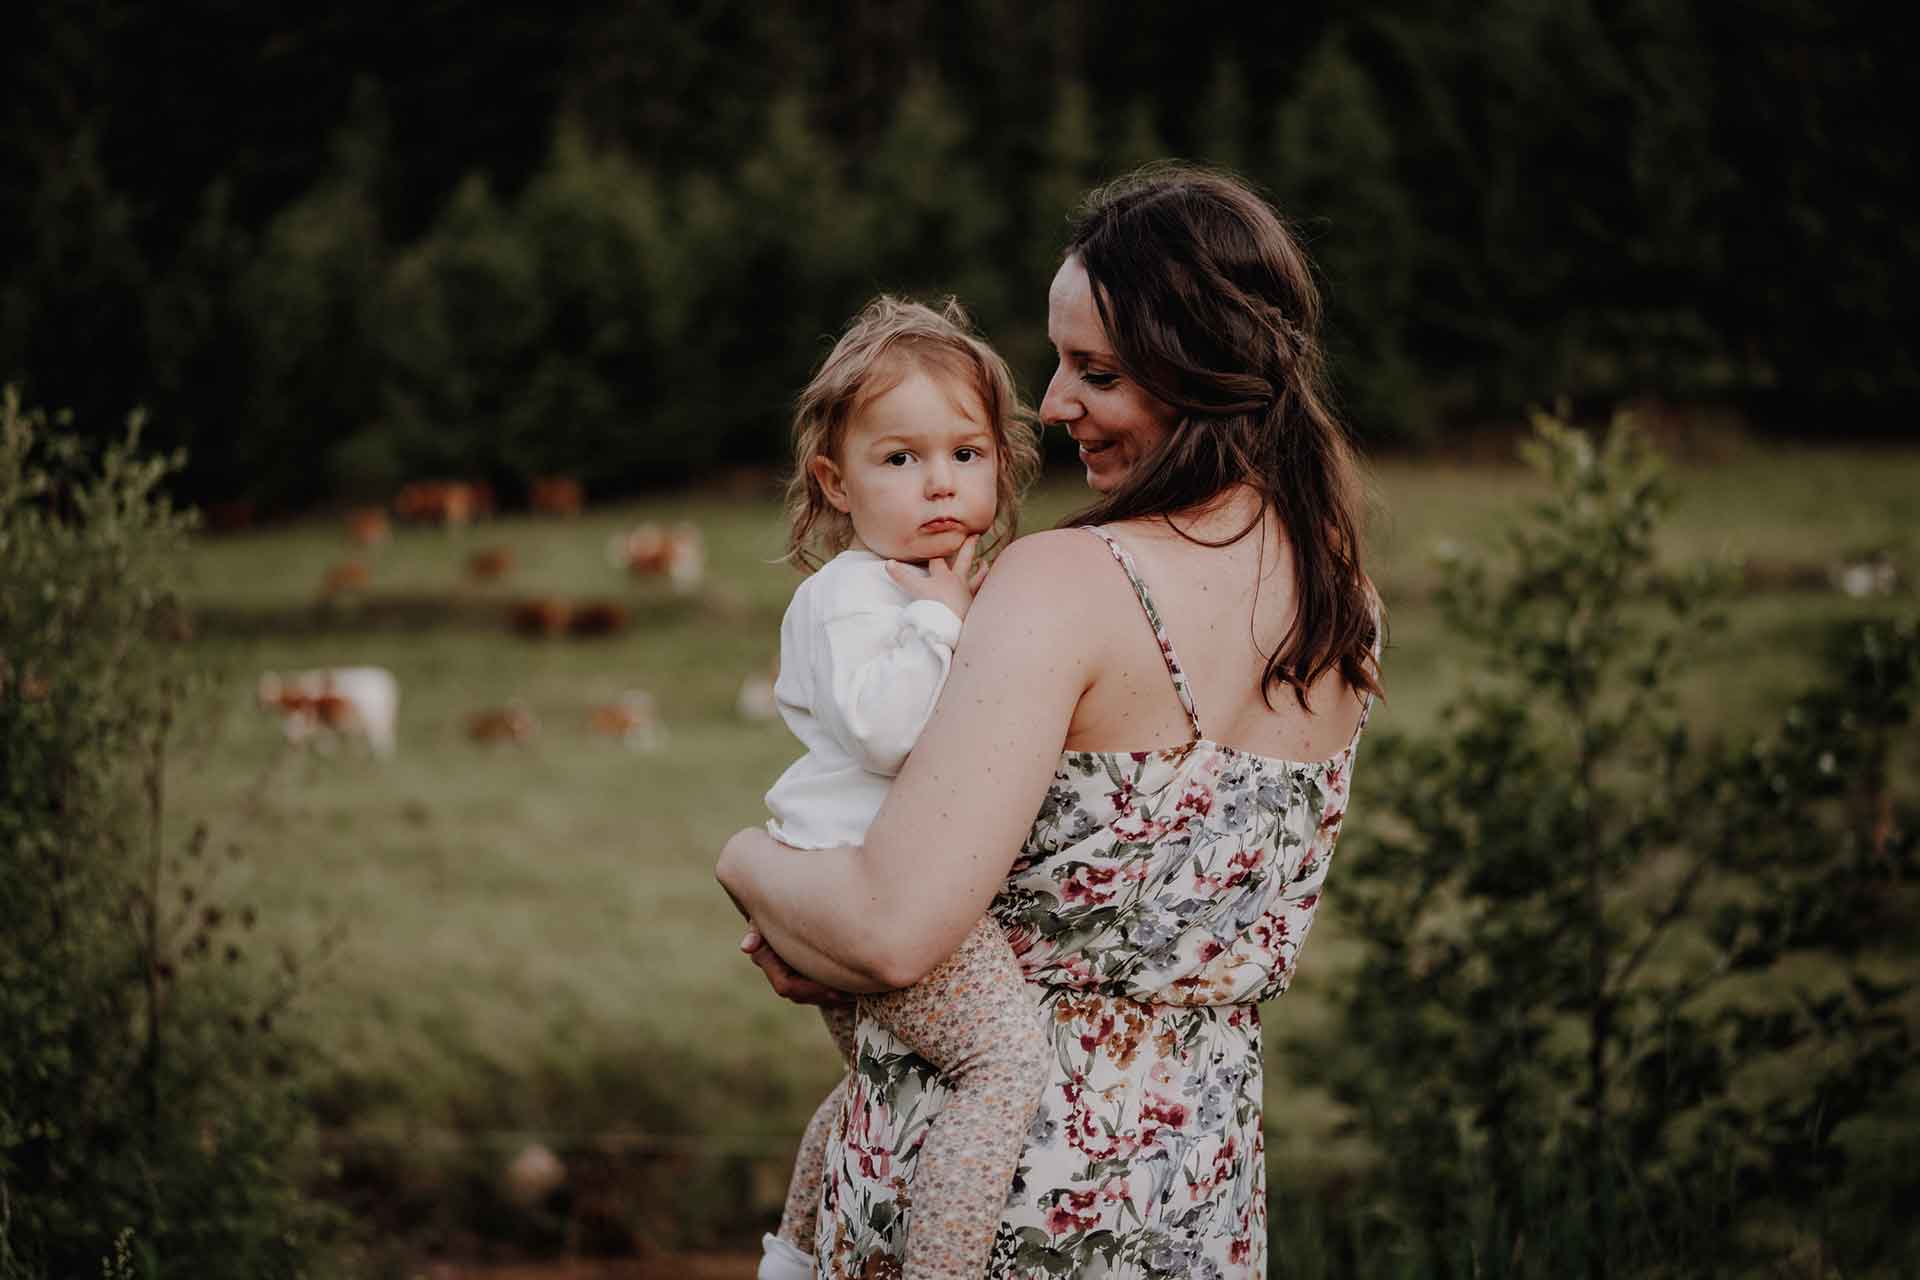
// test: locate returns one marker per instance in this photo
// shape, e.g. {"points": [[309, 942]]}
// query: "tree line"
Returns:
{"points": [[334, 249]]}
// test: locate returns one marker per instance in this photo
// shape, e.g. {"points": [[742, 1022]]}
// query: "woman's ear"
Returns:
{"points": [[826, 474]]}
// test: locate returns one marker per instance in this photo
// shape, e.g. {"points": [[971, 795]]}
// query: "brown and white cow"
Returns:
{"points": [[325, 705]]}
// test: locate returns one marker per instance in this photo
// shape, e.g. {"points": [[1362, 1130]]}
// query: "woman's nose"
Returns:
{"points": [[1057, 406]]}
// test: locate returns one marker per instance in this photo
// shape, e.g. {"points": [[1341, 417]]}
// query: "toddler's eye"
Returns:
{"points": [[967, 453], [898, 459]]}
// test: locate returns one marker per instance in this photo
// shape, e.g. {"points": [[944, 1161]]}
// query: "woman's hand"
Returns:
{"points": [[753, 869], [788, 983]]}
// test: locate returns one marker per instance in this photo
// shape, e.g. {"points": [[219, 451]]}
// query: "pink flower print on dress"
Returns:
{"points": [[1060, 1221], [1077, 970], [1158, 1104], [1197, 800], [1087, 885], [1138, 828], [1091, 1040]]}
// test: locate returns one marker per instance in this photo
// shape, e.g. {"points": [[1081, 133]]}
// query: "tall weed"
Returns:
{"points": [[148, 1110]]}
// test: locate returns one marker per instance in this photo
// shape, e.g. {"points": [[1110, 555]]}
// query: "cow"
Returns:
{"points": [[489, 563], [556, 496], [544, 616], [511, 723], [597, 618], [449, 502], [678, 554], [755, 701], [368, 527], [335, 702], [633, 720]]}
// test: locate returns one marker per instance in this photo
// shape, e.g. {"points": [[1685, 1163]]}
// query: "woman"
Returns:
{"points": [[1139, 764]]}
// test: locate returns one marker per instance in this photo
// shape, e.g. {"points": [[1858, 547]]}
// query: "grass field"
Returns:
{"points": [[532, 944]]}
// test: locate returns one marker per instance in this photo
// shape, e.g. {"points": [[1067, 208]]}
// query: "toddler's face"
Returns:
{"points": [[917, 469]]}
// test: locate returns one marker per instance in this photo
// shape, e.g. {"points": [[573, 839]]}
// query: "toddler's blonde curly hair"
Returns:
{"points": [[888, 339]]}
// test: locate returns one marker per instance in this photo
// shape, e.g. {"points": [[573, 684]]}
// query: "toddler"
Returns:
{"points": [[910, 446]]}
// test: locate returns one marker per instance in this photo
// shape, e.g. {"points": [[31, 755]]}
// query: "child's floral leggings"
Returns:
{"points": [[975, 1019]]}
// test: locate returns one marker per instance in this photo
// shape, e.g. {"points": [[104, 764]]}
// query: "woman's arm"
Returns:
{"points": [[884, 913]]}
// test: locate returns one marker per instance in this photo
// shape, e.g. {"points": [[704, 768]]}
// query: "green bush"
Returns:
{"points": [[1627, 997], [148, 1115]]}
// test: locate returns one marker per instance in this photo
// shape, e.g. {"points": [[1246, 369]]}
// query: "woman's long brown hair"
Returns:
{"points": [[1210, 304]]}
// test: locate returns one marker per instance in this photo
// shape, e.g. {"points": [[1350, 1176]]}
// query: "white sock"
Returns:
{"points": [[782, 1261]]}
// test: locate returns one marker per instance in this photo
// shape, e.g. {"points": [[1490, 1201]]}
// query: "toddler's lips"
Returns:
{"points": [[944, 524]]}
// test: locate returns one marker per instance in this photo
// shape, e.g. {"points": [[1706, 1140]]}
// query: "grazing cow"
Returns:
{"points": [[348, 575], [511, 723], [450, 502], [540, 617], [755, 701], [633, 719], [557, 496], [335, 702], [368, 527], [489, 563], [648, 550], [597, 618]]}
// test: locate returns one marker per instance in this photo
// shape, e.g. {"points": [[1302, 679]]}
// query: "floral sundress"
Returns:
{"points": [[1158, 898]]}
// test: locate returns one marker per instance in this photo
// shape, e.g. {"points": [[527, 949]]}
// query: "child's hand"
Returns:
{"points": [[951, 586]]}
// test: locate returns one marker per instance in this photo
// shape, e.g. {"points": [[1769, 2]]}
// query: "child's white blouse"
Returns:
{"points": [[861, 666]]}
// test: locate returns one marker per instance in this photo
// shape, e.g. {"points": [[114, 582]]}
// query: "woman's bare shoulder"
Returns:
{"points": [[1044, 585], [1051, 551], [1062, 565]]}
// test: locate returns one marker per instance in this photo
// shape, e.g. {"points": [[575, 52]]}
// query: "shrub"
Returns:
{"points": [[1623, 989], [147, 1112]]}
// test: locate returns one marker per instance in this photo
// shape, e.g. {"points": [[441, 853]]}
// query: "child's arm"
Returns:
{"points": [[886, 665], [885, 668]]}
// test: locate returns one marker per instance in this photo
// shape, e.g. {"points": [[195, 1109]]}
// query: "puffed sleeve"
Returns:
{"points": [[885, 667]]}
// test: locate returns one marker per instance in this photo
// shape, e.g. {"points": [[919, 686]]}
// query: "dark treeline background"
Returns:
{"points": [[332, 247]]}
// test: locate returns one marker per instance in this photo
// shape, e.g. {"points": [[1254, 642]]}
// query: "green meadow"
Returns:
{"points": [[505, 942]]}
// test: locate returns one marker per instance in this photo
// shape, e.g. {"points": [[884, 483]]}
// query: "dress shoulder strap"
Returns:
{"points": [[1179, 677]]}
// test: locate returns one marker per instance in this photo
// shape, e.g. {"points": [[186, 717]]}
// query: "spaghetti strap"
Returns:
{"points": [[1179, 677]]}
